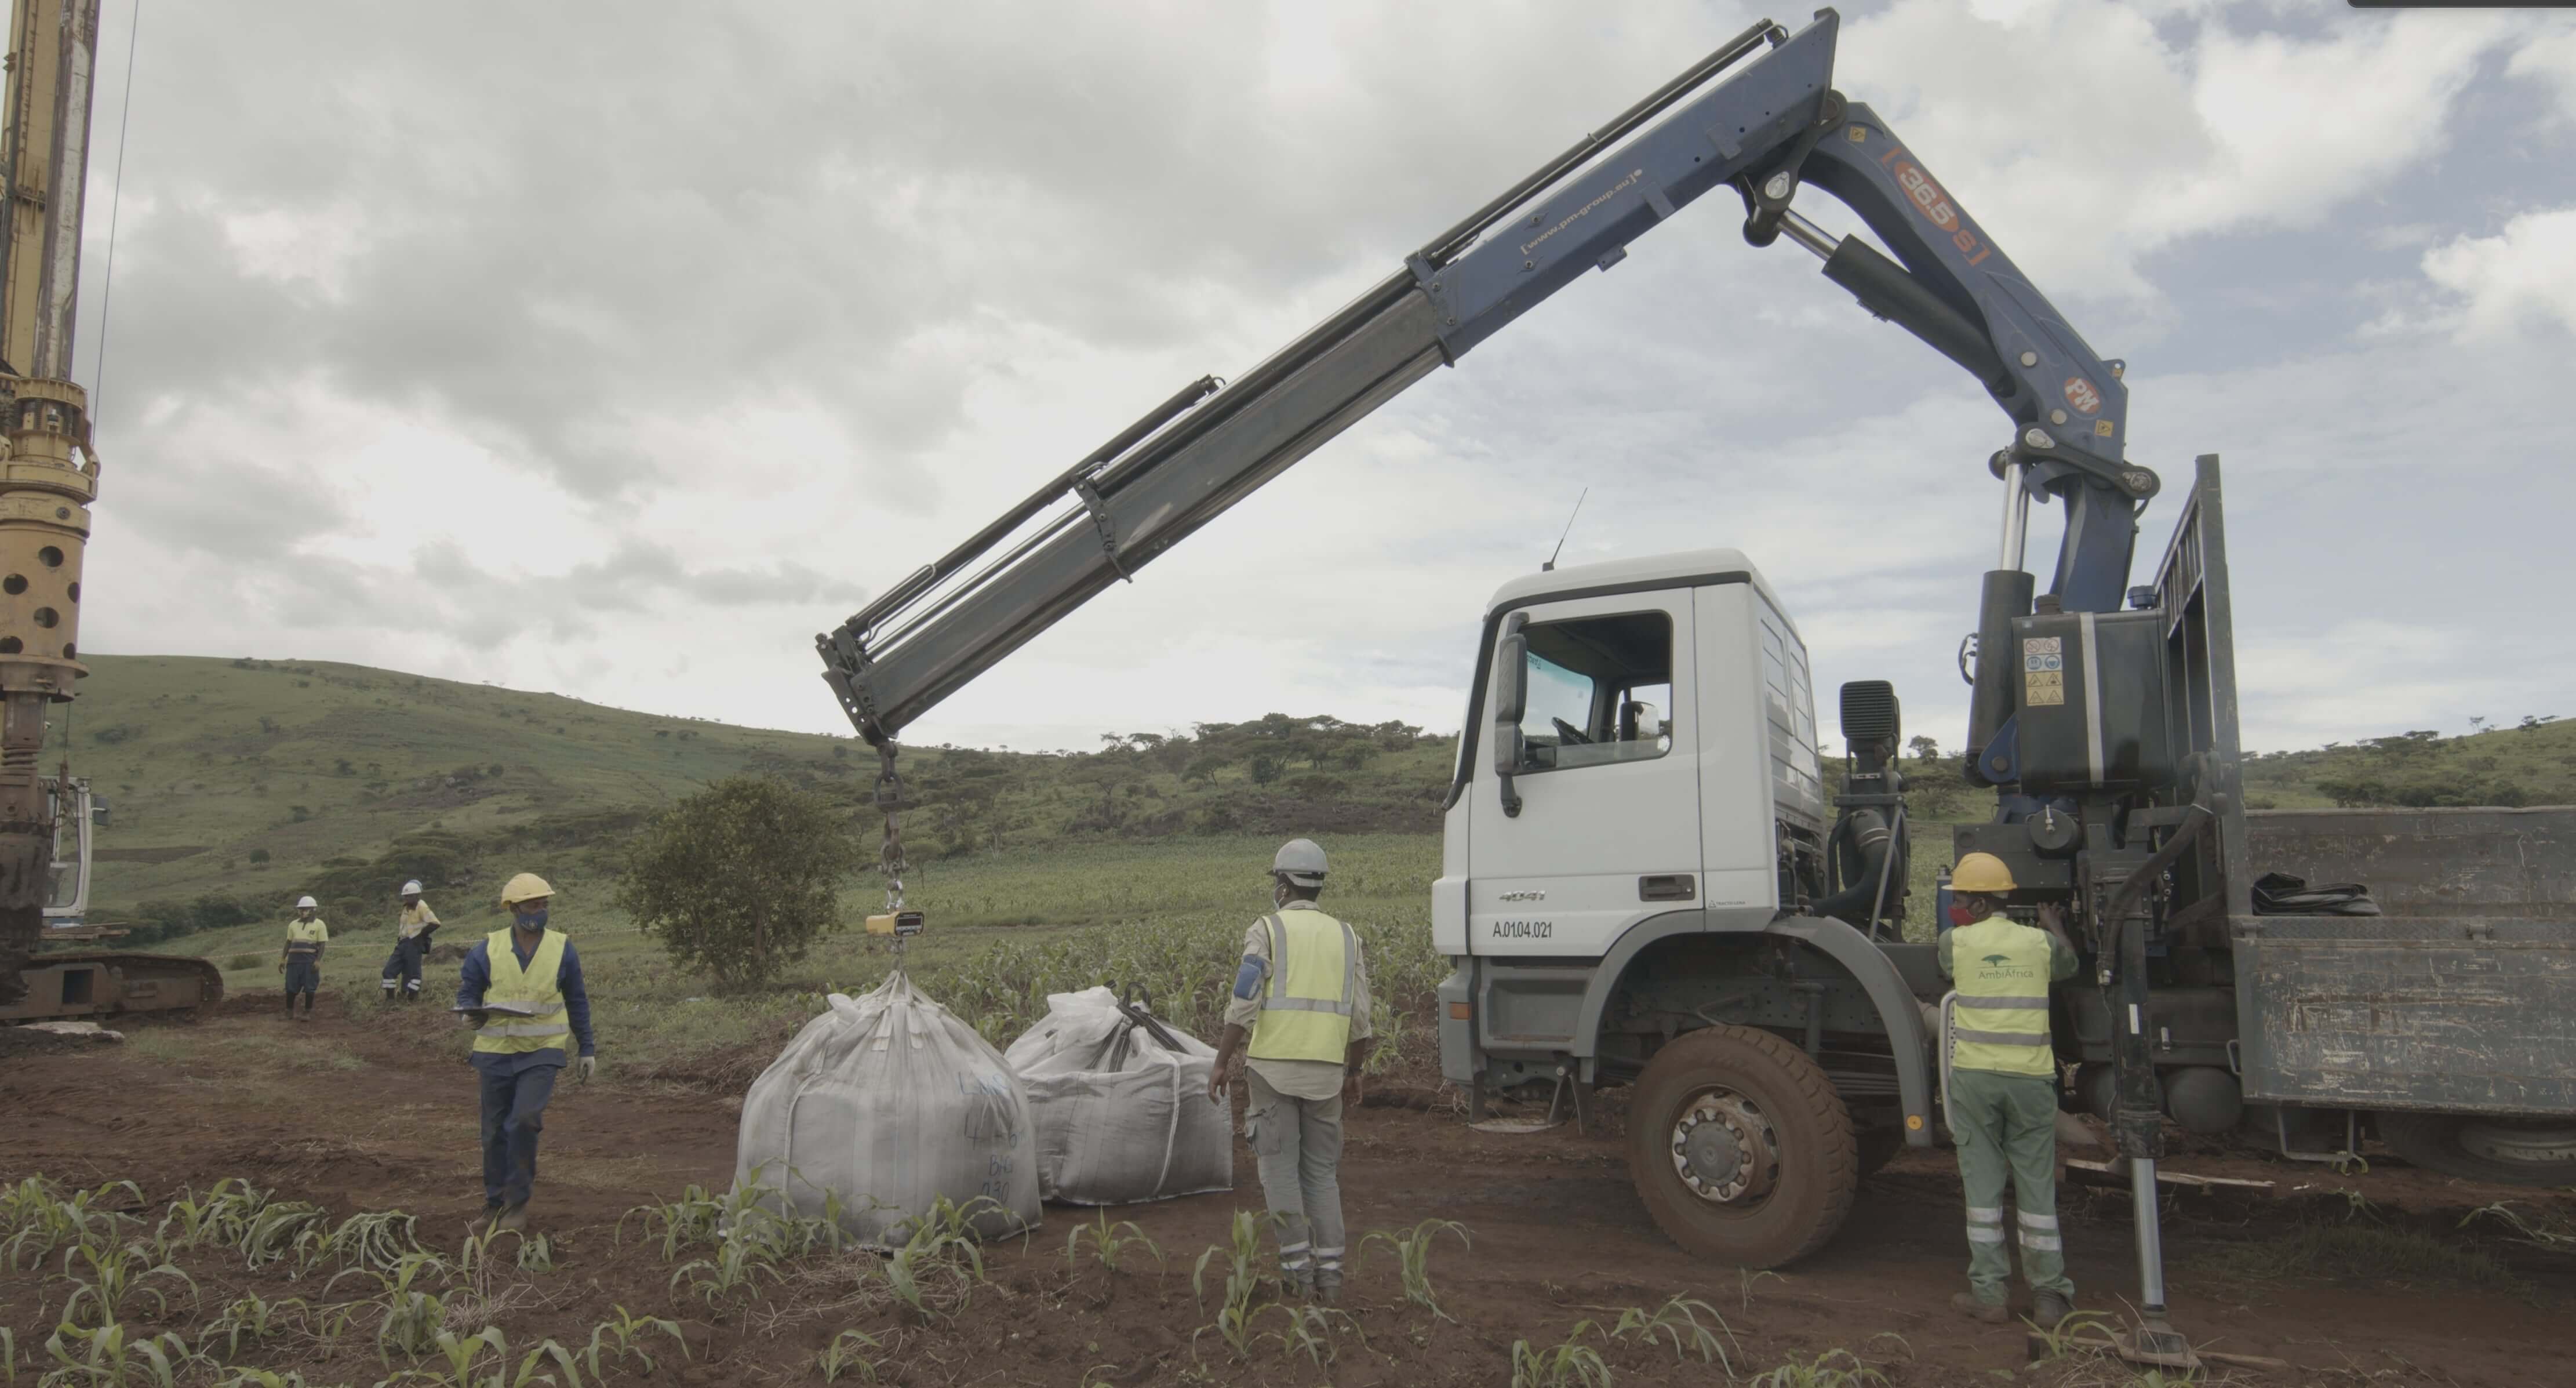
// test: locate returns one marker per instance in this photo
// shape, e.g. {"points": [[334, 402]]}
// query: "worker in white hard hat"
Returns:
{"points": [[522, 993], [412, 929], [2001, 1088], [1300, 1011], [306, 935]]}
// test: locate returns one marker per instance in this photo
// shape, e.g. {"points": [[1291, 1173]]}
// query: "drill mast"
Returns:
{"points": [[48, 473]]}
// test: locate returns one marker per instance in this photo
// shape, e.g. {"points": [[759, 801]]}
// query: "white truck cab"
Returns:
{"points": [[1638, 794]]}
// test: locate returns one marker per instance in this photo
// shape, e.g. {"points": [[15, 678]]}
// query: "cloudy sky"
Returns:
{"points": [[617, 349]]}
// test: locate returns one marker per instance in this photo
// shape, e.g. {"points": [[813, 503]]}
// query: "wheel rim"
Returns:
{"points": [[1724, 1150], [2531, 1141]]}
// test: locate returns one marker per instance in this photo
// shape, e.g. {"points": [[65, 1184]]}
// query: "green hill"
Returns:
{"points": [[2532, 763], [235, 785]]}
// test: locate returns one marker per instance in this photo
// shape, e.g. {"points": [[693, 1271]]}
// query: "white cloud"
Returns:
{"points": [[2097, 142], [2523, 277], [623, 376], [2551, 58]]}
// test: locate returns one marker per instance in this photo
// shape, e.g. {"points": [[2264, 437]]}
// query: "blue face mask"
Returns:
{"points": [[533, 920]]}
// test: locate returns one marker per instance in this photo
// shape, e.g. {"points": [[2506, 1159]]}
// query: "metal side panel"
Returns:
{"points": [[2461, 862], [2454, 1013]]}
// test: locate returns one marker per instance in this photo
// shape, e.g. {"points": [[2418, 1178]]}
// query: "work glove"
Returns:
{"points": [[585, 1067]]}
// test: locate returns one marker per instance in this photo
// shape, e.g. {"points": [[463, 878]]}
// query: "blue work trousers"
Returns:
{"points": [[514, 1114]]}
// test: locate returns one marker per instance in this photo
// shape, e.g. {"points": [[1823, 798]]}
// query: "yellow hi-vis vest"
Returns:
{"points": [[2001, 1020], [1306, 1007], [536, 986]]}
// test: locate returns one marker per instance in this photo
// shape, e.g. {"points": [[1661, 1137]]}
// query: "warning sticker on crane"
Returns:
{"points": [[2043, 667]]}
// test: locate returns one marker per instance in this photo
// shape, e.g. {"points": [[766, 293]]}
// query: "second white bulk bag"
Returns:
{"points": [[1120, 1100], [890, 1102]]}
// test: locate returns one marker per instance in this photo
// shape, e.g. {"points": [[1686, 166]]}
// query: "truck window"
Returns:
{"points": [[1600, 691]]}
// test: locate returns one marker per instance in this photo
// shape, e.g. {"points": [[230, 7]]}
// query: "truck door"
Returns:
{"points": [[1608, 831]]}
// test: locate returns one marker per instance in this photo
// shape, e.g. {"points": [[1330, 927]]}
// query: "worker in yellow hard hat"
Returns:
{"points": [[2002, 1089], [522, 993], [306, 937]]}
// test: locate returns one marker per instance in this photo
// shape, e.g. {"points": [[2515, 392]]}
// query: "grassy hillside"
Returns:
{"points": [[235, 785], [2532, 763]]}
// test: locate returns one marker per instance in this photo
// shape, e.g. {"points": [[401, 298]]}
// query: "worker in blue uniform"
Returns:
{"points": [[522, 993]]}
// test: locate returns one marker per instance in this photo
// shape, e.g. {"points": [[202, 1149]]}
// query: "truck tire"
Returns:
{"points": [[2508, 1151], [1740, 1147]]}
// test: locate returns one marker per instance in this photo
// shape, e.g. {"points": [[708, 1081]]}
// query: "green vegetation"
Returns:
{"points": [[740, 878], [1570, 1363], [2532, 762]]}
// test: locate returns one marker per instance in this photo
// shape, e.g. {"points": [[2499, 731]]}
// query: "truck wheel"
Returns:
{"points": [[1740, 1147], [2512, 1151]]}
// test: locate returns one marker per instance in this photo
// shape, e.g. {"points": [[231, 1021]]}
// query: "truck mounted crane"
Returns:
{"points": [[1642, 881]]}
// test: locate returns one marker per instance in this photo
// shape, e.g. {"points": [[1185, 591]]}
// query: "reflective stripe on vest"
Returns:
{"points": [[2000, 1022], [1314, 972], [538, 987]]}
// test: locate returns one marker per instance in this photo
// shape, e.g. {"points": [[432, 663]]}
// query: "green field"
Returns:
{"points": [[237, 784], [1005, 930]]}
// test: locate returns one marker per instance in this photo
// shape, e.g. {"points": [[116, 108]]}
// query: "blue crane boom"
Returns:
{"points": [[1770, 127]]}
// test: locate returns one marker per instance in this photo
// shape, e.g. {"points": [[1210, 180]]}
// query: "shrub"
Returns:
{"points": [[259, 855], [115, 733], [739, 879]]}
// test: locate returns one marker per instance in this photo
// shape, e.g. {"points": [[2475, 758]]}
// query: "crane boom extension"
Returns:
{"points": [[1772, 124]]}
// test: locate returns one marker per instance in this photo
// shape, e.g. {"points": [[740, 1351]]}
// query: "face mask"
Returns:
{"points": [[534, 920], [1961, 915]]}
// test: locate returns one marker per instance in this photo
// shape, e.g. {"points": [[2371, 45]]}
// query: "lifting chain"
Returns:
{"points": [[890, 798]]}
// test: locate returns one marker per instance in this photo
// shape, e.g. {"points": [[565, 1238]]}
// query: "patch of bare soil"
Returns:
{"points": [[1558, 1240]]}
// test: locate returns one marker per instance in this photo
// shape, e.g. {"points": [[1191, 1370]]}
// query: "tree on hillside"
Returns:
{"points": [[740, 879]]}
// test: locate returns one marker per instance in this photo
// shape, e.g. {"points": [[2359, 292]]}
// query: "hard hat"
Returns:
{"points": [[1301, 862], [307, 903], [411, 889], [1981, 873], [527, 886]]}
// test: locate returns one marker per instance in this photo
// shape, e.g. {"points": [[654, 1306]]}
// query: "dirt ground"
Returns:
{"points": [[361, 1110]]}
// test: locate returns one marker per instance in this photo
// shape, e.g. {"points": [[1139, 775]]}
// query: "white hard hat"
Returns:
{"points": [[1301, 862], [411, 889], [304, 902]]}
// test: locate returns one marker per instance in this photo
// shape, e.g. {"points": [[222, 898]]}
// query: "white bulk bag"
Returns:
{"points": [[1122, 1116], [891, 1102]]}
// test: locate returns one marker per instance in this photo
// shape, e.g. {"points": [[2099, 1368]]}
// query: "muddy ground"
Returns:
{"points": [[362, 1110]]}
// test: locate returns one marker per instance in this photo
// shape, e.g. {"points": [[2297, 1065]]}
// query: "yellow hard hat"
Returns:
{"points": [[1982, 873], [527, 886]]}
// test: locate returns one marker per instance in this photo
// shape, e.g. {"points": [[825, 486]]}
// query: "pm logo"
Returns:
{"points": [[2081, 394]]}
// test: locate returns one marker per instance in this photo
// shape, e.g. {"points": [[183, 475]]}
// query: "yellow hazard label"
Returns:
{"points": [[2039, 687], [2102, 428]]}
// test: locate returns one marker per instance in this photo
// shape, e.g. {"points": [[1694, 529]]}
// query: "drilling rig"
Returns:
{"points": [[48, 479]]}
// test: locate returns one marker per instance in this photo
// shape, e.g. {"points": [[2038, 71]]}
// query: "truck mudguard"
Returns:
{"points": [[1897, 1008]]}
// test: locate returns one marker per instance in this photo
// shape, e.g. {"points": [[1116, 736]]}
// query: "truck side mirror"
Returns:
{"points": [[1511, 679], [1511, 700]]}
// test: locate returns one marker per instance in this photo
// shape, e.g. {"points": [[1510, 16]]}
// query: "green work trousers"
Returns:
{"points": [[2006, 1127]]}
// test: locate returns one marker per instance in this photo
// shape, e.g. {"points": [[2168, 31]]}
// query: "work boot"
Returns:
{"points": [[1297, 1282], [1989, 1312], [2050, 1309], [511, 1217], [1328, 1288]]}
